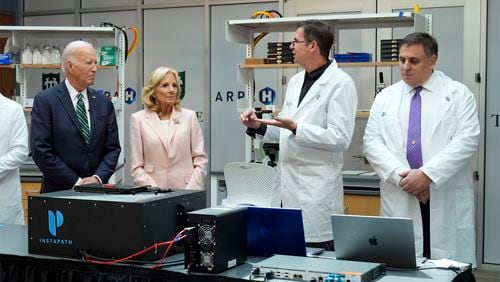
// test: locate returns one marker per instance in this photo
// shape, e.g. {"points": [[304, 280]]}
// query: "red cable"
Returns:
{"points": [[154, 246], [168, 248]]}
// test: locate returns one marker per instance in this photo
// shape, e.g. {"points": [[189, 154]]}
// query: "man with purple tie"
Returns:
{"points": [[421, 135]]}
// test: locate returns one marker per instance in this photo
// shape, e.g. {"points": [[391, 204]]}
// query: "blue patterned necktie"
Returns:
{"points": [[81, 116], [413, 145]]}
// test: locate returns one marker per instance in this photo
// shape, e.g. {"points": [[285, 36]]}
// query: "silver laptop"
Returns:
{"points": [[388, 240]]}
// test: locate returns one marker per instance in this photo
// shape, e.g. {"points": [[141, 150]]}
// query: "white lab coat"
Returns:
{"points": [[310, 162], [13, 153], [449, 136]]}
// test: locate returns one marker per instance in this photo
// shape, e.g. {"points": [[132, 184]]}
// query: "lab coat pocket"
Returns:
{"points": [[389, 121], [465, 208], [315, 183], [391, 132], [448, 127]]}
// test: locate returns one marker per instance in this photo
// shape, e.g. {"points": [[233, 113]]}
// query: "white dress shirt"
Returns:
{"points": [[73, 93]]}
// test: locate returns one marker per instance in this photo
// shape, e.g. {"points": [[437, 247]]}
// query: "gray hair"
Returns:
{"points": [[70, 51], [428, 42]]}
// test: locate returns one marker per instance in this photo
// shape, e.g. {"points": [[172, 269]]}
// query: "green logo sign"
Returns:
{"points": [[182, 77], [50, 80]]}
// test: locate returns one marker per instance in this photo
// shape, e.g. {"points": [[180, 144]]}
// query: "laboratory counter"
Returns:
{"points": [[17, 264]]}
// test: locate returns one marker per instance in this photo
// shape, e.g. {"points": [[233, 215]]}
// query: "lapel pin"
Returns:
{"points": [[383, 114], [176, 121], [447, 98], [93, 97]]}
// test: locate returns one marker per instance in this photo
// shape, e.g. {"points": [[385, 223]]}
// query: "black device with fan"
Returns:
{"points": [[218, 239], [69, 223]]}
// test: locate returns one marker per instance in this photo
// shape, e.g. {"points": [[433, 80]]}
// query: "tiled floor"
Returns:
{"points": [[487, 276]]}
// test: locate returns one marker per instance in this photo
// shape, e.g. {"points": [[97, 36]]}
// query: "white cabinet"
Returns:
{"points": [[98, 36], [242, 31]]}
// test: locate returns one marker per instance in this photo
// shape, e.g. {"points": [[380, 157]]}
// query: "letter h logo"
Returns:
{"points": [[55, 221], [267, 96]]}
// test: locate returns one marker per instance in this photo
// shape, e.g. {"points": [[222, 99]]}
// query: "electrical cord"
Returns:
{"points": [[451, 268], [135, 31], [122, 30], [257, 274], [125, 259], [258, 38], [177, 237], [262, 14], [142, 262], [154, 247], [276, 12]]}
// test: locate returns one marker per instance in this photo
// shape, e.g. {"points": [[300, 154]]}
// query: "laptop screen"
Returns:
{"points": [[275, 231], [388, 240]]}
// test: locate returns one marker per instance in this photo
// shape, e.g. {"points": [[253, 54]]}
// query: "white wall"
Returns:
{"points": [[47, 5], [106, 79], [170, 40], [492, 128], [227, 134], [203, 20]]}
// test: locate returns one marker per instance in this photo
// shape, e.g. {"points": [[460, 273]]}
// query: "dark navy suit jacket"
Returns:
{"points": [[57, 144]]}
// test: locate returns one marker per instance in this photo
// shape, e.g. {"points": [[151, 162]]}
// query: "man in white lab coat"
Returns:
{"points": [[13, 153], [420, 137], [314, 128]]}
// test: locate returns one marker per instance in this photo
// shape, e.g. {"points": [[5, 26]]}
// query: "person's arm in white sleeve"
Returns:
{"points": [[18, 150], [463, 144]]}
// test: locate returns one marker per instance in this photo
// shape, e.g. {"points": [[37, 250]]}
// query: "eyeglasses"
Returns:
{"points": [[297, 42]]}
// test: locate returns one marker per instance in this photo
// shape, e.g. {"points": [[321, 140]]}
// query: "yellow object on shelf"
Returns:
{"points": [[416, 8]]}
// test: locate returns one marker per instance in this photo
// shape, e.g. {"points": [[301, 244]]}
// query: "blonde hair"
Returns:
{"points": [[155, 77]]}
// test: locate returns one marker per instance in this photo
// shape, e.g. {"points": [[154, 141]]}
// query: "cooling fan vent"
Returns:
{"points": [[207, 259], [206, 234]]}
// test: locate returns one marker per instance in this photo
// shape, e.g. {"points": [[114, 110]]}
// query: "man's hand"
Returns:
{"points": [[89, 180], [286, 123], [424, 196], [415, 182], [249, 119]]}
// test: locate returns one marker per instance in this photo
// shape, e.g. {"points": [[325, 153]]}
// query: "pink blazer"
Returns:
{"points": [[174, 161]]}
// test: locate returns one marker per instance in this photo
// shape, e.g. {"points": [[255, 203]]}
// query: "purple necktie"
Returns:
{"points": [[413, 147]]}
